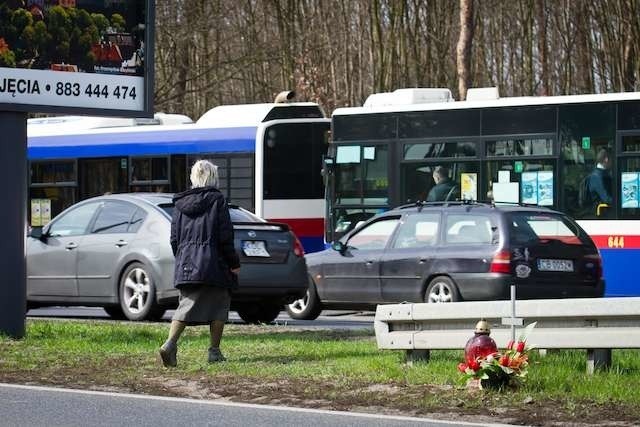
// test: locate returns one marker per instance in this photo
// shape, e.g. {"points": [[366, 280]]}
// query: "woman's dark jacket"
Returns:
{"points": [[202, 239]]}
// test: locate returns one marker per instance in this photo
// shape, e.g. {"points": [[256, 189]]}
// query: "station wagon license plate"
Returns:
{"points": [[555, 265], [254, 248]]}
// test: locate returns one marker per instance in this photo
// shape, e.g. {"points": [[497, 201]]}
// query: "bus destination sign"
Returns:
{"points": [[81, 56]]}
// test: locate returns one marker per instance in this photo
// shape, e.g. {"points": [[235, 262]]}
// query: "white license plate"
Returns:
{"points": [[254, 248], [555, 265]]}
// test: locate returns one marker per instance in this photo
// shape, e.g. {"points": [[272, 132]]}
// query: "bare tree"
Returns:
{"points": [[463, 49]]}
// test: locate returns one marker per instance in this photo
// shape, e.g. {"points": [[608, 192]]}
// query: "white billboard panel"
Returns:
{"points": [[77, 56]]}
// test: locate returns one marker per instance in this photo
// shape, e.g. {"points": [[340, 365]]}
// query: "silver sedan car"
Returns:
{"points": [[114, 252]]}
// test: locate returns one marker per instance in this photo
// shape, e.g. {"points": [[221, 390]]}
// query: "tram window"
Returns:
{"points": [[630, 185], [53, 172], [442, 149], [145, 169], [61, 198], [293, 161], [178, 173], [361, 175], [375, 190], [585, 131], [439, 124], [629, 115], [520, 147], [417, 181], [536, 181], [348, 177], [513, 120], [366, 127], [631, 144]]}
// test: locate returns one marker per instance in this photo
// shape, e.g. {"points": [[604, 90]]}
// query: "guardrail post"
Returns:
{"points": [[598, 358], [412, 356]]}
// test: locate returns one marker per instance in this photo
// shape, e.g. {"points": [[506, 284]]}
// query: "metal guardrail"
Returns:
{"points": [[594, 324]]}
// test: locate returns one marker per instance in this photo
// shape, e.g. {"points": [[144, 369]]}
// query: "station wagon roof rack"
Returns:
{"points": [[470, 203]]}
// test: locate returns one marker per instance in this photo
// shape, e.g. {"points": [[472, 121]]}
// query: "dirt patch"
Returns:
{"points": [[443, 402]]}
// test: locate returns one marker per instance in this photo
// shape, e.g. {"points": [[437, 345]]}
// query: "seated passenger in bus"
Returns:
{"points": [[444, 188]]}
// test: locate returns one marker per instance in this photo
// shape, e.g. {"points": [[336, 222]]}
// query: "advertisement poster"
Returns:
{"points": [[45, 211], [529, 188], [75, 54], [469, 186], [630, 190], [545, 188], [36, 215]]}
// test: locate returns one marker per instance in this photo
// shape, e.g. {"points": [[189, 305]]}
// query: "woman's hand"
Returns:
{"points": [[235, 270]]}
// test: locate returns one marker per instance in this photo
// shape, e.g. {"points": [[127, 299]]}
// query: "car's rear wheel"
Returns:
{"points": [[307, 307], [259, 313], [138, 294], [441, 289]]}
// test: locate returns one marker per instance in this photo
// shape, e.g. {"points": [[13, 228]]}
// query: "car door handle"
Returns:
{"points": [[422, 261], [71, 245], [121, 243], [370, 262]]}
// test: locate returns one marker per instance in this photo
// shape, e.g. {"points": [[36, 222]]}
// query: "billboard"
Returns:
{"points": [[77, 56]]}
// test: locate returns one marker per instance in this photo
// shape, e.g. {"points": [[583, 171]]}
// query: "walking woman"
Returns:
{"points": [[206, 261]]}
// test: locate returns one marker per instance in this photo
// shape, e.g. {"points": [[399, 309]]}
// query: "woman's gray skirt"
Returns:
{"points": [[202, 304]]}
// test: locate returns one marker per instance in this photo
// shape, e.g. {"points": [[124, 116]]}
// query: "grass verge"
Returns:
{"points": [[326, 369]]}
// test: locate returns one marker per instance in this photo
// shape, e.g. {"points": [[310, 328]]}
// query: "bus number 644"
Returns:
{"points": [[616, 241]]}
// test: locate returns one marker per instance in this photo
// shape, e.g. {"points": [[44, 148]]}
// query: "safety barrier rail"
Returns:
{"points": [[594, 324]]}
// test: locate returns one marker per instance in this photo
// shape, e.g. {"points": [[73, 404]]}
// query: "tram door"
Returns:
{"points": [[100, 176]]}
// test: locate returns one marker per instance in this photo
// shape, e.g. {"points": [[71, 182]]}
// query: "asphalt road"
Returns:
{"points": [[328, 319], [50, 407]]}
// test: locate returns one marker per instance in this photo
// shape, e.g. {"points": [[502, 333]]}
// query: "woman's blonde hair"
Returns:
{"points": [[204, 174]]}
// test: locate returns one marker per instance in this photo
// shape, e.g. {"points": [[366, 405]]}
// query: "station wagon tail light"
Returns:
{"points": [[597, 264], [298, 249], [501, 263]]}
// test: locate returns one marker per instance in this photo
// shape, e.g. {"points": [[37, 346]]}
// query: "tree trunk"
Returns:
{"points": [[464, 47]]}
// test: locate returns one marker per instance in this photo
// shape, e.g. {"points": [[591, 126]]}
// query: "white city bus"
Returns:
{"points": [[530, 150]]}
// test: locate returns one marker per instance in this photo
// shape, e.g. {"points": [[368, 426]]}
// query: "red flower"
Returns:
{"points": [[473, 364], [520, 347], [504, 360], [510, 345], [462, 367]]}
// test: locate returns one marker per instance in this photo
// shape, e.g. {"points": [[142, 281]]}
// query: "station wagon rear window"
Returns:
{"points": [[544, 227]]}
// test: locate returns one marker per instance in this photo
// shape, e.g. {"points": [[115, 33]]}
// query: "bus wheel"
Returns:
{"points": [[307, 307], [137, 293], [441, 289]]}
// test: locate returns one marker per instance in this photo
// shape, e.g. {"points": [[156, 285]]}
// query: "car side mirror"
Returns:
{"points": [[339, 246], [37, 233]]}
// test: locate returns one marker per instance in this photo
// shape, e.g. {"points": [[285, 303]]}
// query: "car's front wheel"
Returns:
{"points": [[307, 307], [259, 313], [138, 294], [441, 289]]}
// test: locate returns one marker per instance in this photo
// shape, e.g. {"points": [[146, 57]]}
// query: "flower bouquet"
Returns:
{"points": [[499, 369]]}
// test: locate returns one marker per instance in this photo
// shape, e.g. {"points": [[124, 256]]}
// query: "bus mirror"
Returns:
{"points": [[327, 165]]}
